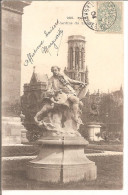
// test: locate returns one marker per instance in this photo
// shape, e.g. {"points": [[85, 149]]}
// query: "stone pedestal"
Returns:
{"points": [[13, 131], [93, 130], [61, 159], [23, 136]]}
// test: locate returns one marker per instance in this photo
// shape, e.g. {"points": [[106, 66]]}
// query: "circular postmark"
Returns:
{"points": [[99, 16]]}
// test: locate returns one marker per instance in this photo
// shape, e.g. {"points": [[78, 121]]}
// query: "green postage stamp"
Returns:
{"points": [[103, 16]]}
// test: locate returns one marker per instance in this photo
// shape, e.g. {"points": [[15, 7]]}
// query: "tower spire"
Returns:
{"points": [[34, 69], [86, 75], [76, 57]]}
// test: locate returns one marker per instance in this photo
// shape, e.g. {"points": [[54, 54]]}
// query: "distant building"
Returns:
{"points": [[76, 68], [33, 95]]}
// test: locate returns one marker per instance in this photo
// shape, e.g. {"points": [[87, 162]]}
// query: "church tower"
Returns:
{"points": [[76, 68]]}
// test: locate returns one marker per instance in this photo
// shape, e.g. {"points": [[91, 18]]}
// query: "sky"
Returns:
{"points": [[103, 51]]}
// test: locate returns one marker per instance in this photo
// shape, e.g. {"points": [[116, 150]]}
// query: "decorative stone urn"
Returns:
{"points": [[93, 131]]}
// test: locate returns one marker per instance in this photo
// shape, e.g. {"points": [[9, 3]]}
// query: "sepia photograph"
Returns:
{"points": [[62, 95]]}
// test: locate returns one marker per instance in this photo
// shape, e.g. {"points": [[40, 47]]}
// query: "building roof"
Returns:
{"points": [[76, 38], [118, 93], [37, 77]]}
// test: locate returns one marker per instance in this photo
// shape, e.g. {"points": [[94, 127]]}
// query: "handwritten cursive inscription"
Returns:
{"points": [[30, 56], [46, 48], [51, 29]]}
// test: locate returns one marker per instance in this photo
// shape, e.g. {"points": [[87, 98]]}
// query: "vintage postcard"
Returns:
{"points": [[62, 95]]}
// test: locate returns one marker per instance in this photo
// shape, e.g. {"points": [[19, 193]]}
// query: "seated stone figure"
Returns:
{"points": [[61, 110]]}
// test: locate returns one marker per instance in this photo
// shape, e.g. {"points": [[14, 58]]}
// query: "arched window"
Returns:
{"points": [[77, 58], [82, 58], [71, 57]]}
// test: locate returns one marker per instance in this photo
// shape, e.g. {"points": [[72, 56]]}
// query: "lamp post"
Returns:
{"points": [[106, 120]]}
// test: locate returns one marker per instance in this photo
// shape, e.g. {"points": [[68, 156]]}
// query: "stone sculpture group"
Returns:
{"points": [[60, 114], [61, 157]]}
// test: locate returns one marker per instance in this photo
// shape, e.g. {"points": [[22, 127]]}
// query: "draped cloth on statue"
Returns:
{"points": [[82, 92]]}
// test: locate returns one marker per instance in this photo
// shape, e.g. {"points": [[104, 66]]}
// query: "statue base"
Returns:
{"points": [[94, 129], [61, 159]]}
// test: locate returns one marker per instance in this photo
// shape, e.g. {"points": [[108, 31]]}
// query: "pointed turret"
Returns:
{"points": [[121, 89], [98, 92], [86, 76]]}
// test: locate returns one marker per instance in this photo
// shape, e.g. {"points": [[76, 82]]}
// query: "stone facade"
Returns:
{"points": [[11, 70], [11, 52]]}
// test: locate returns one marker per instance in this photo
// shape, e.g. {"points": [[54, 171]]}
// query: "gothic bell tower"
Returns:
{"points": [[76, 68]]}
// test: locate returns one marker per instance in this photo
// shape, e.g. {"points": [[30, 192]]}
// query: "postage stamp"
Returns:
{"points": [[103, 16]]}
